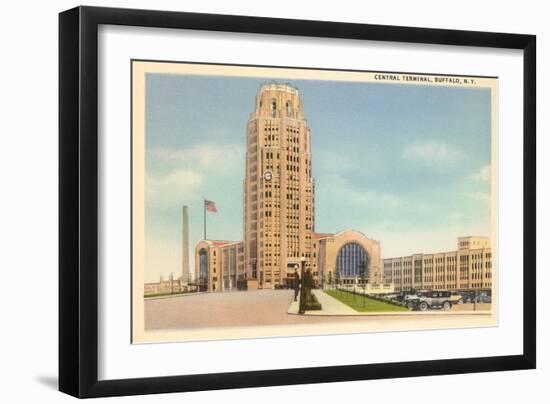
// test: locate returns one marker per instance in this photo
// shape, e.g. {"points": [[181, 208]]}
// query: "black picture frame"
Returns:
{"points": [[78, 200]]}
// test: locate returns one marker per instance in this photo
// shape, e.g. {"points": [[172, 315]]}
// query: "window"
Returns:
{"points": [[351, 260], [273, 108]]}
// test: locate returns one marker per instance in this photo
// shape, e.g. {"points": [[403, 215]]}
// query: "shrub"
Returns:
{"points": [[312, 303]]}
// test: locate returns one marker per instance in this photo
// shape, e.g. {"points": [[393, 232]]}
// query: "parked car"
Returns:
{"points": [[468, 296], [398, 297], [484, 297], [429, 300], [480, 296], [456, 298]]}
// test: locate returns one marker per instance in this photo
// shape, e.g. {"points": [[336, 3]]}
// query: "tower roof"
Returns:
{"points": [[279, 87]]}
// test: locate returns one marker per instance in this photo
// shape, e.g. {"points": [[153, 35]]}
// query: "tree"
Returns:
{"points": [[363, 277], [330, 280]]}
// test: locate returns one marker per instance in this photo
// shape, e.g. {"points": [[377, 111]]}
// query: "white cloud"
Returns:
{"points": [[173, 188], [483, 175], [206, 156], [432, 152], [181, 175]]}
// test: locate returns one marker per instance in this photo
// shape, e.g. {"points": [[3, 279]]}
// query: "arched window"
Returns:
{"points": [[203, 268], [352, 260], [273, 108], [288, 109]]}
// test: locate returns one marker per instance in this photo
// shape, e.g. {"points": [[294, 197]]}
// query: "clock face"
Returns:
{"points": [[268, 175]]}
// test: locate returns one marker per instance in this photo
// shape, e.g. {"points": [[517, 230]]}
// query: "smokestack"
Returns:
{"points": [[186, 275]]}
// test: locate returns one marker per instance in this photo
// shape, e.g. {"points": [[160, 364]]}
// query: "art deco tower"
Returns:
{"points": [[279, 211]]}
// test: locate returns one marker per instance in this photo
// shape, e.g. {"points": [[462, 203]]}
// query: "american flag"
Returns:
{"points": [[210, 206]]}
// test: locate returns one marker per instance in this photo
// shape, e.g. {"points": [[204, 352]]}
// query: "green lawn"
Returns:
{"points": [[363, 303]]}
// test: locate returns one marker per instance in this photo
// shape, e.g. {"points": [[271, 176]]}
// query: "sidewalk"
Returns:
{"points": [[330, 306]]}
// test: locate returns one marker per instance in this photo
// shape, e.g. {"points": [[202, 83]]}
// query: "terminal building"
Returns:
{"points": [[467, 268], [279, 211], [348, 257], [279, 223]]}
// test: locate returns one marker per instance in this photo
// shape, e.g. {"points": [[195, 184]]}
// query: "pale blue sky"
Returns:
{"points": [[407, 165]]}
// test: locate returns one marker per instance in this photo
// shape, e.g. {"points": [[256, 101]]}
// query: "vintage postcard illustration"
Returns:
{"points": [[290, 201]]}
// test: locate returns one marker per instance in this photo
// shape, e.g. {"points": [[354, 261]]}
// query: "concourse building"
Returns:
{"points": [[467, 268]]}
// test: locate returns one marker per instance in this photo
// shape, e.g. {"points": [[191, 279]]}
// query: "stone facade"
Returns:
{"points": [[345, 255], [279, 216], [219, 265]]}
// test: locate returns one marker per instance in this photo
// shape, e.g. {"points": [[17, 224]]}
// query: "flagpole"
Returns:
{"points": [[204, 209]]}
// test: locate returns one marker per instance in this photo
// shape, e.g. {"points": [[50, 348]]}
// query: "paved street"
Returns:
{"points": [[253, 308], [261, 307]]}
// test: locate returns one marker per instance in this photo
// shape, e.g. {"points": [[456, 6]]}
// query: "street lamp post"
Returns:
{"points": [[302, 309]]}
